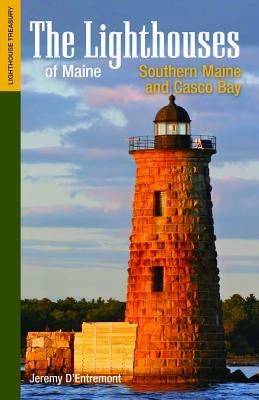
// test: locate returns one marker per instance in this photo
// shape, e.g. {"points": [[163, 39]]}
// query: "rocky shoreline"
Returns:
{"points": [[239, 377]]}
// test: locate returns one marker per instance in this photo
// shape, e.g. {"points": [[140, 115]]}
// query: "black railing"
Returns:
{"points": [[141, 143], [197, 142]]}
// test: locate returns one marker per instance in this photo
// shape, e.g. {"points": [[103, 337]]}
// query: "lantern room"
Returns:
{"points": [[172, 131], [172, 120], [172, 127]]}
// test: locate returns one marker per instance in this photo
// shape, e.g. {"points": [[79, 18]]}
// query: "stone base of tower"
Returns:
{"points": [[178, 380], [179, 376], [173, 361]]}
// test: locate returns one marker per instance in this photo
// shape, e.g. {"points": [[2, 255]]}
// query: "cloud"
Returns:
{"points": [[50, 136], [40, 111], [238, 256], [103, 198], [245, 170], [241, 265], [115, 117], [91, 262], [237, 248], [76, 235], [92, 248], [75, 216], [235, 209], [249, 79], [107, 197], [34, 80], [58, 154], [121, 94]]}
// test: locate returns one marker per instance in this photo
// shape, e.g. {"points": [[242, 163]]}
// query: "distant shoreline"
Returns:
{"points": [[249, 361]]}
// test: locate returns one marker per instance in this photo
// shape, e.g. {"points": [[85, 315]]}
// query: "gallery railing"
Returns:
{"points": [[197, 142]]}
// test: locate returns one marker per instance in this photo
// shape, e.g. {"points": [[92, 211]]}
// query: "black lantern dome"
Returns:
{"points": [[172, 113]]}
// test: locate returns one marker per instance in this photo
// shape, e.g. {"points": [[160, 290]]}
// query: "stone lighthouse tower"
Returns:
{"points": [[173, 282]]}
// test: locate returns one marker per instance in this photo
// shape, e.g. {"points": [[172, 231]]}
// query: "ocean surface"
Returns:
{"points": [[228, 391]]}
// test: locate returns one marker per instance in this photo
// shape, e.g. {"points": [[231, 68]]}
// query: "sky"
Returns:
{"points": [[77, 175]]}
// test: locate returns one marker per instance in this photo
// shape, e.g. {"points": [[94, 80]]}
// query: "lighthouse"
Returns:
{"points": [[173, 282]]}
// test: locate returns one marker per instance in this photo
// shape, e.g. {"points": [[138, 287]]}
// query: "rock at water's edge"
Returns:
{"points": [[238, 376], [254, 378]]}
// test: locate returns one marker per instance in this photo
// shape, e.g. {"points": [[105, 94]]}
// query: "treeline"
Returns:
{"points": [[67, 315], [241, 324], [240, 317]]}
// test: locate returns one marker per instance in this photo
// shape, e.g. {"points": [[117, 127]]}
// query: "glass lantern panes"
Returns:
{"points": [[172, 128], [162, 129]]}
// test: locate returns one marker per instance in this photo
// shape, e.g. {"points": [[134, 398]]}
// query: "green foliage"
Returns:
{"points": [[240, 318], [67, 315], [241, 324]]}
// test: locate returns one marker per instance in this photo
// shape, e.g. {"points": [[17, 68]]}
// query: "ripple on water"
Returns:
{"points": [[229, 391]]}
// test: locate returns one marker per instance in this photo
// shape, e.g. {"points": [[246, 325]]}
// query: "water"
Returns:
{"points": [[228, 391]]}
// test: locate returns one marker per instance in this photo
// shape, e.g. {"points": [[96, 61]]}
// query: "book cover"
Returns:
{"points": [[139, 183]]}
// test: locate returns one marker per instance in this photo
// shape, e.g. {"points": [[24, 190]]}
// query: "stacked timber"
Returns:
{"points": [[105, 348]]}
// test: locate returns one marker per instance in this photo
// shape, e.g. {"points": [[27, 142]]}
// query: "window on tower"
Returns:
{"points": [[159, 204], [157, 279]]}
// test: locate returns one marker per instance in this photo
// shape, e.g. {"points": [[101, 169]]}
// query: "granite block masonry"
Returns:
{"points": [[173, 282], [49, 353]]}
